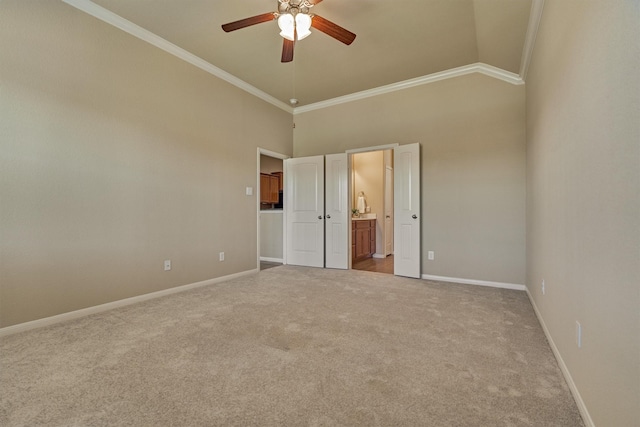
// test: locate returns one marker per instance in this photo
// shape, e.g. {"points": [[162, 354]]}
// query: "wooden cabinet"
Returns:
{"points": [[280, 179], [363, 238], [270, 186], [265, 188], [274, 189]]}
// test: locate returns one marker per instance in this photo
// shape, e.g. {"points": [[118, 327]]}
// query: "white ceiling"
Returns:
{"points": [[396, 40]]}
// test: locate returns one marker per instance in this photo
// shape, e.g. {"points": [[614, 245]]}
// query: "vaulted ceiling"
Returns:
{"points": [[396, 40]]}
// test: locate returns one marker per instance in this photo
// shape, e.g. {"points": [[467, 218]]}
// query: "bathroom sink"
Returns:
{"points": [[367, 216]]}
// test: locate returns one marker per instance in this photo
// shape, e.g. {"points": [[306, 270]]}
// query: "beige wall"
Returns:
{"points": [[115, 156], [270, 164], [472, 135], [271, 229], [583, 207]]}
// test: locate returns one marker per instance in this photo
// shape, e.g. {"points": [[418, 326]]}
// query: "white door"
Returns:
{"points": [[337, 211], [304, 200], [388, 211], [406, 177]]}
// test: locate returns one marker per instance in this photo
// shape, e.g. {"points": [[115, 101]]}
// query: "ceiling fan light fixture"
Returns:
{"points": [[287, 25], [295, 22], [303, 23]]}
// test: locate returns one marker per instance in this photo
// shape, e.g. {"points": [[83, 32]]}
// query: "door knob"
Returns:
{"points": [[388, 216], [319, 216], [328, 216], [414, 216]]}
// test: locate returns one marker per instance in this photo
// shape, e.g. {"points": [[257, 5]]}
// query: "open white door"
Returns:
{"points": [[406, 178], [304, 200], [337, 211]]}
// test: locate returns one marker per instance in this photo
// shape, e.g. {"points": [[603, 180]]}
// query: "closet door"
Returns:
{"points": [[337, 211], [406, 179], [304, 200]]}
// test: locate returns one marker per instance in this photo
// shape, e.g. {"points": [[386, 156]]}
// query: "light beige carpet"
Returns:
{"points": [[293, 346]]}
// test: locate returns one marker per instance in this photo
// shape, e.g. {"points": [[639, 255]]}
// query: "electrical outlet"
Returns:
{"points": [[542, 286], [221, 256], [167, 264], [431, 255], [578, 334]]}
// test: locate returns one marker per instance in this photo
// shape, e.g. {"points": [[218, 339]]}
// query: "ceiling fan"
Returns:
{"points": [[294, 21]]}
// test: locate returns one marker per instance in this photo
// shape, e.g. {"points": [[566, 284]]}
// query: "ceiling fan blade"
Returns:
{"points": [[247, 22], [287, 50], [333, 30]]}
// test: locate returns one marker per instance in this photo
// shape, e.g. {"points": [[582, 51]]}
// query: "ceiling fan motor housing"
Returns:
{"points": [[294, 6]]}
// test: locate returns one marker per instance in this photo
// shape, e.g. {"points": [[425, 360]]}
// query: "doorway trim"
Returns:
{"points": [[268, 153], [374, 148]]}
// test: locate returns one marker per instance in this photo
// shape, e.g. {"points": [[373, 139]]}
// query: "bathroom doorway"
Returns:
{"points": [[372, 208]]}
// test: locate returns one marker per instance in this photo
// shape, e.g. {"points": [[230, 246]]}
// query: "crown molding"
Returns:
{"points": [[478, 67], [530, 38], [117, 21], [129, 27]]}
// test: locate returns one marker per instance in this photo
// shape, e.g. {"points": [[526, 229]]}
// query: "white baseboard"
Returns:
{"points": [[475, 282], [379, 256], [563, 367], [268, 259], [48, 321]]}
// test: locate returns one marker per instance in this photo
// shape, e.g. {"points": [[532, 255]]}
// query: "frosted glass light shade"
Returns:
{"points": [[303, 23], [287, 26]]}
